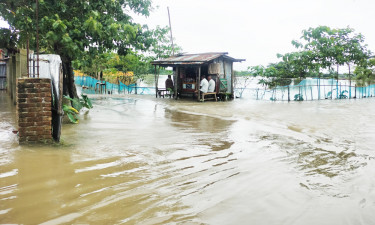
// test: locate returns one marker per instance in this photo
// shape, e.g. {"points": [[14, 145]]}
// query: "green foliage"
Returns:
{"points": [[85, 30], [86, 102], [320, 49], [72, 113], [298, 97], [8, 40], [365, 73], [171, 92], [131, 60], [343, 95], [77, 104]]}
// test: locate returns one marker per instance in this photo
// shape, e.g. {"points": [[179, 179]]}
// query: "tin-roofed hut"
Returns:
{"points": [[188, 69]]}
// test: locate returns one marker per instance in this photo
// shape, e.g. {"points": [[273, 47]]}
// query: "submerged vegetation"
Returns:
{"points": [[76, 105]]}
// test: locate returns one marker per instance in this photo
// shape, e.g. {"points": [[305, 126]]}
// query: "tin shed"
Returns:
{"points": [[189, 68]]}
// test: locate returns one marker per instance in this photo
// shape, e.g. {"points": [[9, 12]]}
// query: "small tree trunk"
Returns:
{"points": [[69, 87]]}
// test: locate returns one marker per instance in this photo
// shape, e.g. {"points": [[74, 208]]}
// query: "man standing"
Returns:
{"points": [[211, 84], [204, 85], [169, 83]]}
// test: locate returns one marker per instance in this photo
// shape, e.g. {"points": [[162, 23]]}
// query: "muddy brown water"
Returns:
{"points": [[141, 160]]}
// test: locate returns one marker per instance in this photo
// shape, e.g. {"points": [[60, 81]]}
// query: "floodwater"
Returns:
{"points": [[141, 160]]}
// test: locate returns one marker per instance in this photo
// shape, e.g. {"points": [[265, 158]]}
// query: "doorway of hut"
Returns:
{"points": [[190, 77]]}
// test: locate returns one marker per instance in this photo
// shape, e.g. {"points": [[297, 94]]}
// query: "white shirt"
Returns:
{"points": [[211, 86], [204, 85]]}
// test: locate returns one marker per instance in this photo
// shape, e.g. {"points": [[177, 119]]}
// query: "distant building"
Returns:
{"points": [[189, 68]]}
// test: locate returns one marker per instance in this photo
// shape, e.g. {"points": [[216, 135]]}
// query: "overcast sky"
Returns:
{"points": [[256, 30]]}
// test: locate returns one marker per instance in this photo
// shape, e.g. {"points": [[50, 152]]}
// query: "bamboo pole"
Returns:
{"points": [[170, 29], [199, 80]]}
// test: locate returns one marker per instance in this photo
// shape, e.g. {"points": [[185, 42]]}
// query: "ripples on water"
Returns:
{"points": [[156, 161]]}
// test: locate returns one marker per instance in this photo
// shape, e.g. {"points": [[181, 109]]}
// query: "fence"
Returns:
{"points": [[306, 90], [97, 86], [312, 89]]}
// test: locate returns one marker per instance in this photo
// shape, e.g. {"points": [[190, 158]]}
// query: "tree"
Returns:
{"points": [[320, 49], [76, 29], [8, 40], [330, 47], [134, 61], [365, 73]]}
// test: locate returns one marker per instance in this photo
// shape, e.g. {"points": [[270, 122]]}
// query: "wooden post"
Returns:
{"points": [[225, 76], [288, 93], [232, 80], [319, 87], [156, 83], [176, 82], [199, 80]]}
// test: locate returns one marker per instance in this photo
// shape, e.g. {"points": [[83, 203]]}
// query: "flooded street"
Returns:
{"points": [[141, 160]]}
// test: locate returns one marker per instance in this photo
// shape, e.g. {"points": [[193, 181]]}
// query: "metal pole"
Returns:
{"points": [[170, 29], [37, 38], [27, 57]]}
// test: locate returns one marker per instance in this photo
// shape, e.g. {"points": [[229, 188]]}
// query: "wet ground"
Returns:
{"points": [[141, 160]]}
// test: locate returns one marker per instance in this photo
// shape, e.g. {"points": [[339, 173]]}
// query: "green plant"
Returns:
{"points": [[84, 30], [298, 97], [171, 91], [72, 113], [343, 95], [77, 104], [329, 95]]}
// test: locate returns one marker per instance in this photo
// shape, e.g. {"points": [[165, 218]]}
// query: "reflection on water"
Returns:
{"points": [[140, 160]]}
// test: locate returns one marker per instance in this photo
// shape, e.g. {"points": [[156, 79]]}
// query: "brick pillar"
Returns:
{"points": [[34, 110]]}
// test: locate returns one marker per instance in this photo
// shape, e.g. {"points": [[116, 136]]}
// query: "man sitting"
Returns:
{"points": [[204, 85], [211, 84]]}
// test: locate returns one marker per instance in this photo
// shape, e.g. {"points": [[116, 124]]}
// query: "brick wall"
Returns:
{"points": [[34, 110]]}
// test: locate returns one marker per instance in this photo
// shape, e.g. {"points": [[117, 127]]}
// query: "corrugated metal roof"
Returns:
{"points": [[193, 59]]}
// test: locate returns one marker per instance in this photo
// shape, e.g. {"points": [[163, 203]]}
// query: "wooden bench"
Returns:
{"points": [[212, 94], [164, 92], [100, 87]]}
